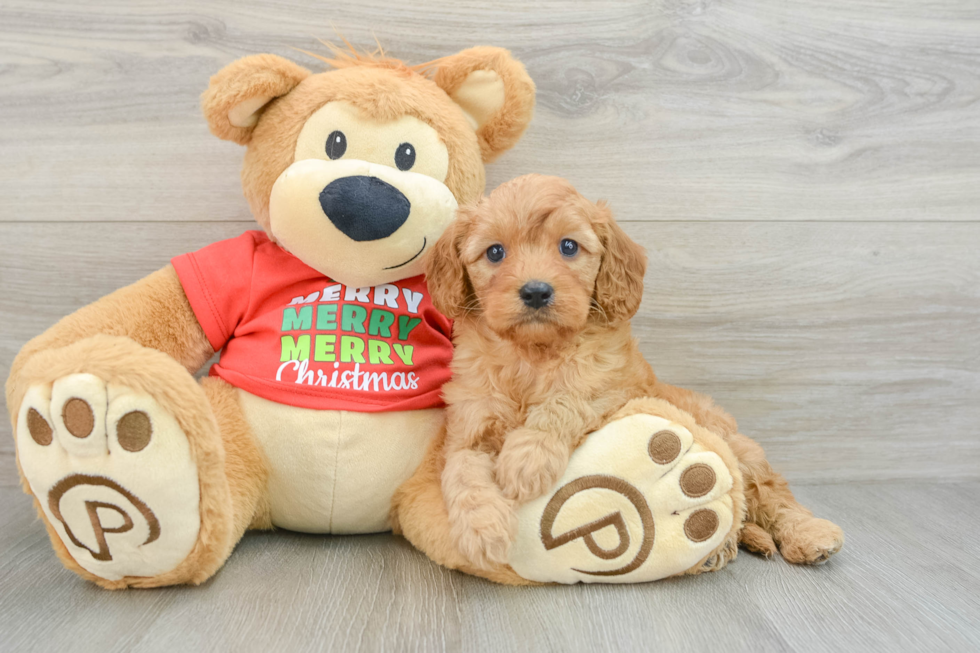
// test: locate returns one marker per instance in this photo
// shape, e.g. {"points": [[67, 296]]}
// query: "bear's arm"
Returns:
{"points": [[154, 312]]}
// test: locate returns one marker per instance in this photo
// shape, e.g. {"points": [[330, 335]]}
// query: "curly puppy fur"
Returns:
{"points": [[530, 383]]}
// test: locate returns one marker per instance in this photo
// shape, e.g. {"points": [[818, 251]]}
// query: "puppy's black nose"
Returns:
{"points": [[537, 294], [364, 208]]}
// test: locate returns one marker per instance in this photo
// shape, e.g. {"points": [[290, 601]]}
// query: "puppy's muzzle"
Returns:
{"points": [[537, 294], [364, 208]]}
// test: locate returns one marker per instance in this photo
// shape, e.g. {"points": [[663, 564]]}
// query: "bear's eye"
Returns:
{"points": [[405, 156], [336, 144], [495, 253], [568, 247]]}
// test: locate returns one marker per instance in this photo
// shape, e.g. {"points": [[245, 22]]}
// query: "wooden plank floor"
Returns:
{"points": [[906, 581], [804, 178]]}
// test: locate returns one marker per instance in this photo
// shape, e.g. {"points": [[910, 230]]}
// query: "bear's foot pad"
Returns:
{"points": [[640, 501], [113, 473]]}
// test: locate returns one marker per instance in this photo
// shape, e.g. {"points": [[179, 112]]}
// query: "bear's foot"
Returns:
{"points": [[113, 473], [641, 500]]}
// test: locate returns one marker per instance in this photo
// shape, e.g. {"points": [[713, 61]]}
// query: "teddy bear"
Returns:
{"points": [[327, 391]]}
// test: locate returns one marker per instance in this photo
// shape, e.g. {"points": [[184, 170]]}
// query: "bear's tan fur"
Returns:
{"points": [[146, 336]]}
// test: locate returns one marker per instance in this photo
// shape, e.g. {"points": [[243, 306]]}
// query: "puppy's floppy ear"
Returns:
{"points": [[240, 91], [494, 91], [445, 274], [619, 284]]}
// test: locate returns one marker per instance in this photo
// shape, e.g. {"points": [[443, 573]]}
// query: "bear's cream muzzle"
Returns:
{"points": [[359, 223]]}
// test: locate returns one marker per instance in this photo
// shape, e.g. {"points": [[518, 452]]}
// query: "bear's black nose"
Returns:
{"points": [[537, 294], [364, 208]]}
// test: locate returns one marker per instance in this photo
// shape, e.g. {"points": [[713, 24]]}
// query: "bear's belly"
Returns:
{"points": [[336, 471]]}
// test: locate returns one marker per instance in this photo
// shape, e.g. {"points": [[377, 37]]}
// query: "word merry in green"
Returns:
{"points": [[353, 319], [352, 349]]}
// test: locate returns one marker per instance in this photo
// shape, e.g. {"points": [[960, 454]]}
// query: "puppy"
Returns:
{"points": [[542, 284]]}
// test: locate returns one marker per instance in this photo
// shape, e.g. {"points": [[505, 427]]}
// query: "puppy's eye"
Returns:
{"points": [[405, 156], [568, 247], [495, 253], [336, 144]]}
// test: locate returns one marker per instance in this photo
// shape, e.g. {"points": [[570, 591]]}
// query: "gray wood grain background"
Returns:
{"points": [[804, 175]]}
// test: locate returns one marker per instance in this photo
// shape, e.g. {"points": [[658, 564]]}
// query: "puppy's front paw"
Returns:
{"points": [[484, 532], [529, 464]]}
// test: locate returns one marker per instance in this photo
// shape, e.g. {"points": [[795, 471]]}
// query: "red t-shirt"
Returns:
{"points": [[291, 335]]}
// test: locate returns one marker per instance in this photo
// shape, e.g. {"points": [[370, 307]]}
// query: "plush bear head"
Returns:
{"points": [[358, 170]]}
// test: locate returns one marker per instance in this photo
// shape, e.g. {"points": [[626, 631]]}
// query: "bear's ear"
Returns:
{"points": [[237, 95], [494, 91]]}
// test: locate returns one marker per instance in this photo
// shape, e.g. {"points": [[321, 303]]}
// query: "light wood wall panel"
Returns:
{"points": [[803, 175], [678, 109]]}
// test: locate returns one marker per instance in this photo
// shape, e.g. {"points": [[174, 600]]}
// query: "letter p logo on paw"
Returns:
{"points": [[642, 523], [97, 507]]}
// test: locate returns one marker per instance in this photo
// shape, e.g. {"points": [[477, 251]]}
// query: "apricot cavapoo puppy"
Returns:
{"points": [[542, 284]]}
